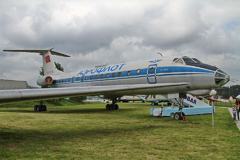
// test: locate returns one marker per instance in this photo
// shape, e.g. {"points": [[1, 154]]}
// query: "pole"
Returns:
{"points": [[212, 114]]}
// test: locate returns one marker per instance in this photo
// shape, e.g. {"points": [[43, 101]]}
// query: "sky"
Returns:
{"points": [[97, 32]]}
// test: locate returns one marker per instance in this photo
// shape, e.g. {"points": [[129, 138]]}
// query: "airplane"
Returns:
{"points": [[154, 99], [129, 99], [172, 76], [230, 99]]}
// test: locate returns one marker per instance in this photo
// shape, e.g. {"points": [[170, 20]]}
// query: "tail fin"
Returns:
{"points": [[230, 99], [48, 64]]}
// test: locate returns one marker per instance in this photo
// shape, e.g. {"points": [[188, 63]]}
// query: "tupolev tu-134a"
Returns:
{"points": [[174, 77]]}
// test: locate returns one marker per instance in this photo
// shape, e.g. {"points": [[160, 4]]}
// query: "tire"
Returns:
{"points": [[36, 108], [108, 106], [171, 114], [177, 116], [116, 107], [44, 108], [112, 107]]}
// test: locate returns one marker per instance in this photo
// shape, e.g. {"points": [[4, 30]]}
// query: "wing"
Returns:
{"points": [[11, 96]]}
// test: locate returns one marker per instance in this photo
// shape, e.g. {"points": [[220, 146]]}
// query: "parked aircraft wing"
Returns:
{"points": [[11, 96]]}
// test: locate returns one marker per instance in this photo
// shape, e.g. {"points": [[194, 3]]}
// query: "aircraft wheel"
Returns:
{"points": [[177, 116], [44, 108], [112, 107], [108, 106], [116, 107], [36, 108]]}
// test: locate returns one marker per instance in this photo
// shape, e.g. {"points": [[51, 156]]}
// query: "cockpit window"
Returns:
{"points": [[175, 59], [188, 60], [196, 60], [179, 61], [221, 77]]}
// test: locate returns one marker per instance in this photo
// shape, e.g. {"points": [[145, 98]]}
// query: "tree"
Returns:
{"points": [[78, 99], [57, 65], [229, 91]]}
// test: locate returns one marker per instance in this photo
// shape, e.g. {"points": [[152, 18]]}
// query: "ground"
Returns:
{"points": [[89, 131]]}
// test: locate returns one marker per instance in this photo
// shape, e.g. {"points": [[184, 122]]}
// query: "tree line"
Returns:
{"points": [[226, 92]]}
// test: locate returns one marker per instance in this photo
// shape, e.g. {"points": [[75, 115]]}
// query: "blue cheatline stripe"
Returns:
{"points": [[163, 71]]}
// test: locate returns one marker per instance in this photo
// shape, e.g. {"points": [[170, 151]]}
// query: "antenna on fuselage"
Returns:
{"points": [[160, 54]]}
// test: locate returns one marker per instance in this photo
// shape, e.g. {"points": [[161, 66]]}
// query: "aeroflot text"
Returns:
{"points": [[191, 100], [102, 69]]}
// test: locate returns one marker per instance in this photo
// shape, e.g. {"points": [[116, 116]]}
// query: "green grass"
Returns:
{"points": [[89, 131]]}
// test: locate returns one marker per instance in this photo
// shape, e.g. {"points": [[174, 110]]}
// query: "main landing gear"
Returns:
{"points": [[41, 107], [112, 106]]}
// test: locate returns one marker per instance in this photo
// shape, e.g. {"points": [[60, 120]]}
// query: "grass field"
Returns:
{"points": [[89, 131]]}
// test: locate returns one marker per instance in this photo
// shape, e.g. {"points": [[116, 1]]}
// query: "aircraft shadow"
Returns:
{"points": [[60, 111], [66, 135]]}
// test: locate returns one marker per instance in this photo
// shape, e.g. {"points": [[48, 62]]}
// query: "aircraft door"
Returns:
{"points": [[151, 74]]}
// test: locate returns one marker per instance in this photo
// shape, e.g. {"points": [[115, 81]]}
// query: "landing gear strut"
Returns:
{"points": [[179, 115], [41, 107], [112, 106]]}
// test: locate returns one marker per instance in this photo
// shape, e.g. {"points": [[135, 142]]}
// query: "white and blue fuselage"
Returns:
{"points": [[201, 77]]}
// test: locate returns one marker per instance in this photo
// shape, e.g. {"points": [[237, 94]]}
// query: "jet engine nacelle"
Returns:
{"points": [[44, 81], [201, 92]]}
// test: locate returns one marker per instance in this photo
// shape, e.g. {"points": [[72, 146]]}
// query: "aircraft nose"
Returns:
{"points": [[221, 78]]}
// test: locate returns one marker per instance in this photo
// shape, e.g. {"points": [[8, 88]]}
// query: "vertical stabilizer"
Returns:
{"points": [[48, 63]]}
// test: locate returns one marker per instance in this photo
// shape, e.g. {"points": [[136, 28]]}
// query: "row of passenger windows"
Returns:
{"points": [[95, 77]]}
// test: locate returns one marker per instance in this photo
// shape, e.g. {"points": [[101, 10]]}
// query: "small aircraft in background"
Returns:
{"points": [[154, 99], [219, 99]]}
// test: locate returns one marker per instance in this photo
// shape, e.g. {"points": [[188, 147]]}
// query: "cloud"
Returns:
{"points": [[99, 32]]}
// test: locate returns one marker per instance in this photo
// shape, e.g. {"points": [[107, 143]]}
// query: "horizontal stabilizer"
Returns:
{"points": [[39, 51]]}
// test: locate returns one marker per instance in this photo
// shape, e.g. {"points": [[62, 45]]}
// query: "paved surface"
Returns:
{"points": [[237, 122]]}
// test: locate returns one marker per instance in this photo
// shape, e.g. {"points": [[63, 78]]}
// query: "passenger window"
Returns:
{"points": [[107, 75], [138, 71], [86, 78], [113, 75], [78, 78], [129, 73], [91, 77], [96, 76], [82, 78], [101, 76], [119, 74]]}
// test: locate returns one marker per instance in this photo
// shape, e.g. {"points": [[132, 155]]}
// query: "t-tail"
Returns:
{"points": [[48, 63], [49, 68]]}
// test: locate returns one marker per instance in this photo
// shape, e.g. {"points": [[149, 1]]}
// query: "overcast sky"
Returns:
{"points": [[97, 32]]}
